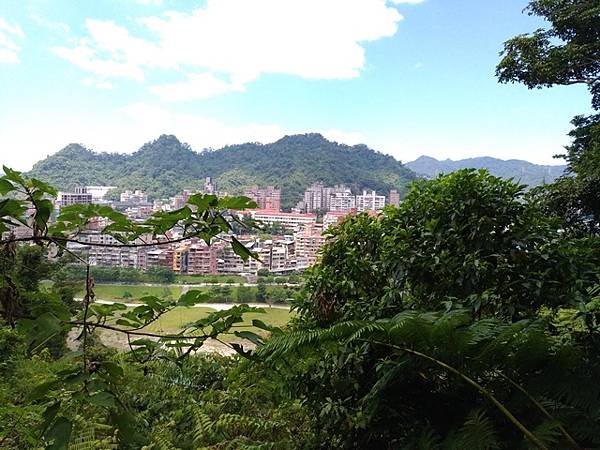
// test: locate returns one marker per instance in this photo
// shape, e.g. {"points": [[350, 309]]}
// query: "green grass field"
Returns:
{"points": [[177, 318], [193, 279], [136, 291], [223, 294]]}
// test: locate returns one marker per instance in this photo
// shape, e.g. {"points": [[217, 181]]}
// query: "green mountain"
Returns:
{"points": [[165, 167], [521, 171]]}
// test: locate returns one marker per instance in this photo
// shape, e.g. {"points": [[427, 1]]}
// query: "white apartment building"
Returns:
{"points": [[342, 201], [136, 196], [370, 201], [288, 220], [98, 192]]}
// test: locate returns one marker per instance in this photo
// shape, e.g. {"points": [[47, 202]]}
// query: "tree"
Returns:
{"points": [[466, 239], [245, 295], [565, 54], [576, 197], [261, 291], [89, 378]]}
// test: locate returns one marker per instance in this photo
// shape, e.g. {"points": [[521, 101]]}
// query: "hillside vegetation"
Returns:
{"points": [[166, 166]]}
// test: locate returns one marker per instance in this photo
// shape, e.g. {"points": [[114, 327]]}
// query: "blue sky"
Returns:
{"points": [[406, 77]]}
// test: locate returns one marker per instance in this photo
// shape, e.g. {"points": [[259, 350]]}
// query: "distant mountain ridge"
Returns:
{"points": [[166, 166], [521, 171]]}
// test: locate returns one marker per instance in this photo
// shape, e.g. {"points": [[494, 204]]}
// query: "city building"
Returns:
{"points": [[370, 201], [314, 198], [318, 197], [210, 187], [332, 218], [98, 192], [80, 196], [342, 200], [229, 262], [292, 221], [307, 245], [195, 258], [394, 198], [133, 197], [104, 250], [265, 198], [160, 257]]}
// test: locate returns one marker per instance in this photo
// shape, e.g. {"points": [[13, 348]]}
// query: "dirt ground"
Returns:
{"points": [[119, 341]]}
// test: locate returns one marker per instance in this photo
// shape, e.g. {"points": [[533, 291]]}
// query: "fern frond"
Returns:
{"points": [[477, 433]]}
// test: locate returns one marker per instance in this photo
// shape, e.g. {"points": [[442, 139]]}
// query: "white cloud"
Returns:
{"points": [[344, 137], [10, 34], [409, 2], [127, 129], [110, 51], [196, 87], [240, 39], [149, 2], [100, 84], [52, 25], [148, 121]]}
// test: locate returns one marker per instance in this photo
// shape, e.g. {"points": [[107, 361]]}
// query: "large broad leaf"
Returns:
{"points": [[42, 330], [193, 297], [240, 202], [41, 390], [241, 250], [5, 186], [60, 434], [202, 201], [114, 370], [103, 398], [13, 175], [44, 187], [263, 326], [252, 337]]}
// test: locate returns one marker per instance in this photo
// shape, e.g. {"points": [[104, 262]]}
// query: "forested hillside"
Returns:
{"points": [[519, 170], [165, 166]]}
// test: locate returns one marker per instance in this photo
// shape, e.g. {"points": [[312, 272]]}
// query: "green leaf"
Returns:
{"points": [[44, 187], [263, 326], [44, 328], [113, 369], [41, 390], [60, 434], [144, 342], [13, 175], [6, 186], [252, 337], [193, 297], [104, 398], [202, 201], [128, 323], [241, 250], [237, 203], [49, 414]]}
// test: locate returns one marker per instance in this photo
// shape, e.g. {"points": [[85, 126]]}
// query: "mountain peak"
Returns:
{"points": [[521, 171], [74, 149], [302, 139], [165, 166]]}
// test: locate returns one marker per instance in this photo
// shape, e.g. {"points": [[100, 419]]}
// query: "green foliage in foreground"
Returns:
{"points": [[494, 348], [468, 318]]}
